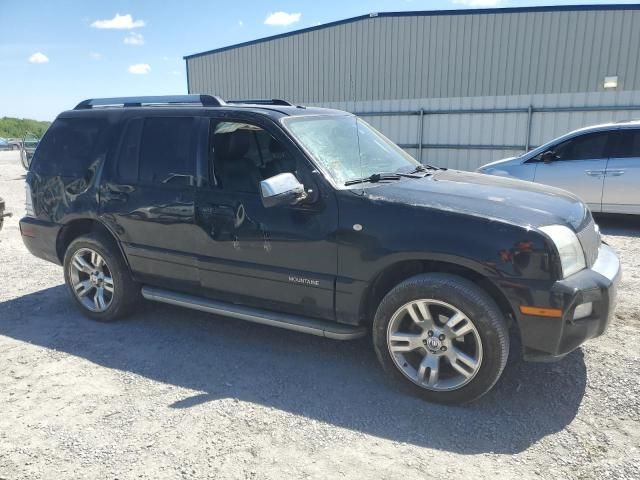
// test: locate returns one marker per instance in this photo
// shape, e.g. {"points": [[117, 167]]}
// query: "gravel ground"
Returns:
{"points": [[171, 393]]}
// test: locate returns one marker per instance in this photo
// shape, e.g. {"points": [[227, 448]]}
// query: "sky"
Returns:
{"points": [[53, 54]]}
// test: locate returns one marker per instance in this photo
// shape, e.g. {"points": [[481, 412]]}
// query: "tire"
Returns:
{"points": [[441, 366], [119, 295]]}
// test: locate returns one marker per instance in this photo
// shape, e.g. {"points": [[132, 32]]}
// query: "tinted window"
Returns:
{"points": [[69, 147], [584, 147], [625, 144], [166, 151], [242, 155], [129, 151]]}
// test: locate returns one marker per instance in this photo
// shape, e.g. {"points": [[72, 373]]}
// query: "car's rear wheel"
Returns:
{"points": [[442, 336], [98, 278]]}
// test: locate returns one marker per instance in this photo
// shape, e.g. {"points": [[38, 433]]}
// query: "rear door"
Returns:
{"points": [[579, 167], [622, 181], [148, 198]]}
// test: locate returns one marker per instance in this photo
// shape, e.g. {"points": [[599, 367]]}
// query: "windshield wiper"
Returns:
{"points": [[377, 177]]}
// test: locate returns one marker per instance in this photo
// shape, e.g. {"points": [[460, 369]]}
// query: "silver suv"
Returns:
{"points": [[600, 164]]}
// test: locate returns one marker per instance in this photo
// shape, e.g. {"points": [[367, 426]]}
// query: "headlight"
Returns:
{"points": [[569, 248]]}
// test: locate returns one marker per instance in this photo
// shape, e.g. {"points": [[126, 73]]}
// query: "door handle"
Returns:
{"points": [[114, 195], [594, 173], [615, 173]]}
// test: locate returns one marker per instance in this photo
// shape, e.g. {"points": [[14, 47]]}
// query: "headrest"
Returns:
{"points": [[239, 144]]}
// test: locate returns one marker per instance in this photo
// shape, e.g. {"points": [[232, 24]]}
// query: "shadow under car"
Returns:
{"points": [[340, 383]]}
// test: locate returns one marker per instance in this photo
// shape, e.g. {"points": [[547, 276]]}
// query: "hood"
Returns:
{"points": [[503, 199]]}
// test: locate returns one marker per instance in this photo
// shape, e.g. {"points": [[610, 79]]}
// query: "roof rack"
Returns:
{"points": [[204, 100], [264, 101]]}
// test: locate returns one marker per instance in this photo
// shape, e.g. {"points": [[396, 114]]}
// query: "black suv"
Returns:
{"points": [[309, 219]]}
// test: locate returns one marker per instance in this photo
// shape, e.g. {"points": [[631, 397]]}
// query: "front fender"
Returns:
{"points": [[511, 257]]}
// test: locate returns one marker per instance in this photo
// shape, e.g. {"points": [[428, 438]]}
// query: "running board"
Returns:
{"points": [[296, 323]]}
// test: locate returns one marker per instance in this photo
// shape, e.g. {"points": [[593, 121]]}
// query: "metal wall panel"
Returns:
{"points": [[487, 129], [441, 62], [430, 56]]}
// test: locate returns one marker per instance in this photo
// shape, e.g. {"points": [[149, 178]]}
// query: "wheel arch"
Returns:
{"points": [[393, 274], [82, 226]]}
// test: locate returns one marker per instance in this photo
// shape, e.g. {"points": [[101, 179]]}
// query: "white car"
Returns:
{"points": [[600, 164]]}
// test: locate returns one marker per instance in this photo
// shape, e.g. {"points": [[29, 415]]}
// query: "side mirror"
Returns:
{"points": [[549, 156], [281, 189]]}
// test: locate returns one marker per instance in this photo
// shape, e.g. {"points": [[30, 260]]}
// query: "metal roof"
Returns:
{"points": [[427, 13]]}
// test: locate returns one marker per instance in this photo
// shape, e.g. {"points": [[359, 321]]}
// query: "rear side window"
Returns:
{"points": [[129, 151], [625, 144], [166, 154], [69, 147], [158, 150]]}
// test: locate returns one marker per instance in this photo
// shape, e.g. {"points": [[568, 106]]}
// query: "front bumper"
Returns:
{"points": [[548, 339]]}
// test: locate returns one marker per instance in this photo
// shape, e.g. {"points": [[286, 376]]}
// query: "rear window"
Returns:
{"points": [[69, 147]]}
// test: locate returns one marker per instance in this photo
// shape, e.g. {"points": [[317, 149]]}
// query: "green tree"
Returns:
{"points": [[19, 127]]}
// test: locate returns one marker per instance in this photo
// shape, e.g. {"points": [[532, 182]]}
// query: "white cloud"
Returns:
{"points": [[38, 57], [119, 22], [282, 19], [134, 38], [175, 72], [479, 3], [140, 68], [95, 56]]}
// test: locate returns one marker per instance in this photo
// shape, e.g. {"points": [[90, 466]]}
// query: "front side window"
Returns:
{"points": [[585, 147], [347, 148], [70, 147], [242, 155]]}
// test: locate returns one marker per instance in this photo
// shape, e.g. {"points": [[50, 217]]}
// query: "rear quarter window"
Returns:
{"points": [[69, 147]]}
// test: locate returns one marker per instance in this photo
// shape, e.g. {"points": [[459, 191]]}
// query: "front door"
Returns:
{"points": [[148, 197], [282, 258], [579, 167]]}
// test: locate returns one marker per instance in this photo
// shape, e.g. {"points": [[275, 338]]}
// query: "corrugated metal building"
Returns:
{"points": [[458, 87]]}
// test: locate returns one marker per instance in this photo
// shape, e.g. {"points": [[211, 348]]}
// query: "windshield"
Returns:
{"points": [[348, 148]]}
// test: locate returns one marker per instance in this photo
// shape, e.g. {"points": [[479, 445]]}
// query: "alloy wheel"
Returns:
{"points": [[434, 344], [91, 280]]}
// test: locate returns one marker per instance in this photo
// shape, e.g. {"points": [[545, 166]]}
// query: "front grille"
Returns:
{"points": [[590, 240]]}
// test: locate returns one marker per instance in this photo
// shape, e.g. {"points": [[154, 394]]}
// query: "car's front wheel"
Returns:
{"points": [[443, 336], [98, 279]]}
